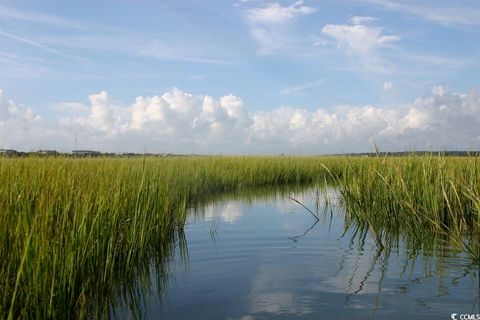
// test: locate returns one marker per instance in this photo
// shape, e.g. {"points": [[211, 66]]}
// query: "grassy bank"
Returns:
{"points": [[416, 197], [74, 231]]}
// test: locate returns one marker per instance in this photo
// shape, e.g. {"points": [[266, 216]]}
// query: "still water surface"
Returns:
{"points": [[267, 259]]}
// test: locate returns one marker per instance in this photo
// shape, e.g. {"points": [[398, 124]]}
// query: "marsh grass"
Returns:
{"points": [[74, 231], [417, 197], [77, 234]]}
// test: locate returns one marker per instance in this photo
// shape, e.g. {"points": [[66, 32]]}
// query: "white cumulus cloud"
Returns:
{"points": [[10, 111], [181, 122], [268, 25], [362, 41], [22, 128], [276, 13]]}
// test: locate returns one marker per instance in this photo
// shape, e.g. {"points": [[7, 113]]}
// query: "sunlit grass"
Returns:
{"points": [[74, 231], [417, 197], [73, 228]]}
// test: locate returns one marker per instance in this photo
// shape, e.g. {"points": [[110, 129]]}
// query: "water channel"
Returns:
{"points": [[269, 258]]}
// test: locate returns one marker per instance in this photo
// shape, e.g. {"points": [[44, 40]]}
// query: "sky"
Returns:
{"points": [[240, 77]]}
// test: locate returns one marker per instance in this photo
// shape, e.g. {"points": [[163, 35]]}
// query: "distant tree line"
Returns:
{"points": [[79, 153], [93, 153]]}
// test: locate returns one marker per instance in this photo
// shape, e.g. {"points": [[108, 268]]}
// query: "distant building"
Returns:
{"points": [[86, 153], [8, 152], [47, 152], [128, 154]]}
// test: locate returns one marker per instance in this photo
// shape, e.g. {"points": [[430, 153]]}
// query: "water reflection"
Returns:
{"points": [[264, 256], [134, 288], [229, 212], [295, 238]]}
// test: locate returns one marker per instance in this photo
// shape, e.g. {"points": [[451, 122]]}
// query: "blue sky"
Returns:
{"points": [[308, 65]]}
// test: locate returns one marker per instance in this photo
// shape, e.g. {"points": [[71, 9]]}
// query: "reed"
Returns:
{"points": [[74, 232], [73, 229], [417, 196]]}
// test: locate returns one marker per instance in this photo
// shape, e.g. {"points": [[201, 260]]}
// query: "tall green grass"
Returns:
{"points": [[417, 197], [74, 232]]}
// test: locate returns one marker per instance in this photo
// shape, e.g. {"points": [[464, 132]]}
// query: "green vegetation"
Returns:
{"points": [[75, 232], [418, 198]]}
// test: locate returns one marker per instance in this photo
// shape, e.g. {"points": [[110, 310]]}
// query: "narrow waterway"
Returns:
{"points": [[270, 259]]}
